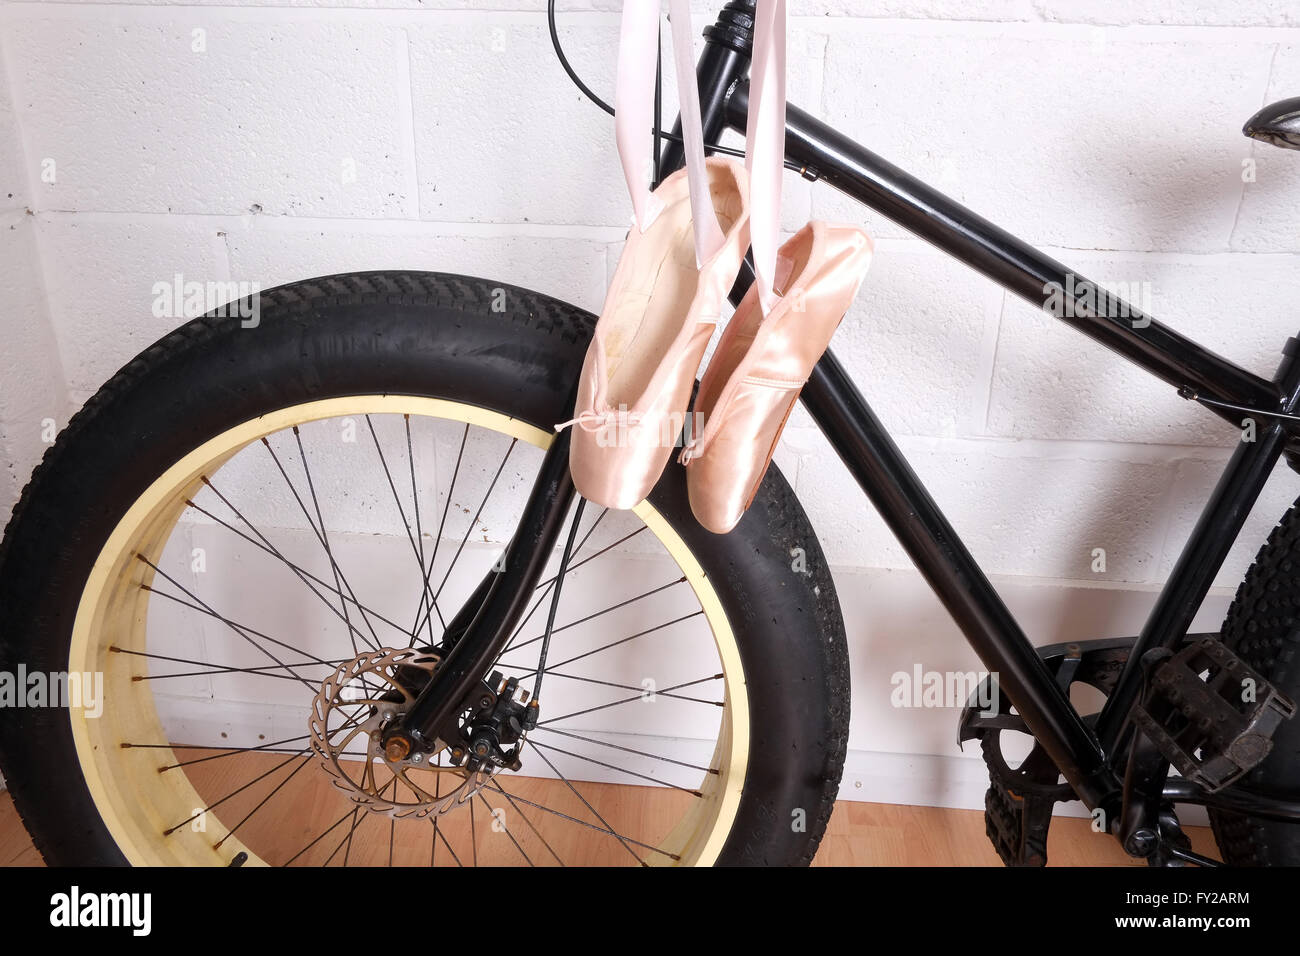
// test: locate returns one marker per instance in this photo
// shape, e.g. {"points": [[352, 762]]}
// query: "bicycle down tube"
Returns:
{"points": [[1142, 340], [1082, 755]]}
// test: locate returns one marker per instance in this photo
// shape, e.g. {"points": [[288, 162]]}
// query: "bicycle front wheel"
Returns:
{"points": [[246, 548]]}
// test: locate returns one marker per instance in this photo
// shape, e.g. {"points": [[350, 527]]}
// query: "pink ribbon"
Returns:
{"points": [[764, 133], [765, 143]]}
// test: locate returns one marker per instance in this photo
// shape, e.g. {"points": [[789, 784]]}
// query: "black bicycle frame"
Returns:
{"points": [[1089, 758], [1086, 758]]}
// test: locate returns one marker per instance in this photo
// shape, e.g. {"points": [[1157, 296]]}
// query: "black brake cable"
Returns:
{"points": [[656, 148], [555, 598], [658, 131]]}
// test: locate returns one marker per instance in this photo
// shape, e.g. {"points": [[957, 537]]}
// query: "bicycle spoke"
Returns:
{"points": [[583, 823], [195, 816], [468, 531], [227, 751], [347, 839], [419, 530], [504, 829], [415, 549], [548, 584], [255, 672], [219, 668], [610, 766], [473, 833], [312, 659], [437, 795], [322, 836], [239, 790], [236, 628], [632, 637], [629, 750], [438, 834], [588, 805], [297, 570], [593, 616], [515, 807], [474, 520], [302, 577], [340, 581], [593, 557], [318, 528], [629, 700], [262, 803], [442, 523], [552, 672]]}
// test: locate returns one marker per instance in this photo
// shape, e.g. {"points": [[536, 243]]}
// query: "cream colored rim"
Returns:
{"points": [[113, 612]]}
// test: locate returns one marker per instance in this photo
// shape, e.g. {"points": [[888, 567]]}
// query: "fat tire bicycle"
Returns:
{"points": [[432, 710]]}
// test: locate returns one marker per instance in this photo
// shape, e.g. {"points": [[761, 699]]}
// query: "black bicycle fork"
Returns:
{"points": [[482, 627]]}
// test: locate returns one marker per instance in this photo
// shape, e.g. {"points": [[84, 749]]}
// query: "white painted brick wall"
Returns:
{"points": [[33, 392], [1107, 131]]}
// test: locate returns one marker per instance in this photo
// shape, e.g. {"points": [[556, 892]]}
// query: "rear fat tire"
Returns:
{"points": [[1263, 628]]}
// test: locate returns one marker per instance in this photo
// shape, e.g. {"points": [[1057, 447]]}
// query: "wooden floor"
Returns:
{"points": [[860, 834]]}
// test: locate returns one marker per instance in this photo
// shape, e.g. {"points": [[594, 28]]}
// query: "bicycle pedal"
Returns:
{"points": [[1017, 825], [1210, 714]]}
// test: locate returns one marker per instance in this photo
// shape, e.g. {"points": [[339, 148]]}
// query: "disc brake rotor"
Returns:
{"points": [[348, 716]]}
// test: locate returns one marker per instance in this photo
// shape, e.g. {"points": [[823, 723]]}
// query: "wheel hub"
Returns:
{"points": [[348, 716]]}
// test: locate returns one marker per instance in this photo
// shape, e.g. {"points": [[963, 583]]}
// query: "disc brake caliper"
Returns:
{"points": [[493, 734]]}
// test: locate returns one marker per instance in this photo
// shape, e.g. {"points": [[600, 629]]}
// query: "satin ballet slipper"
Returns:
{"points": [[761, 364], [659, 314]]}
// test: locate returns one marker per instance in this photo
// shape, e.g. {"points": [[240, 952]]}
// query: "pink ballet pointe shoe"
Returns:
{"points": [[681, 257], [659, 314], [761, 364]]}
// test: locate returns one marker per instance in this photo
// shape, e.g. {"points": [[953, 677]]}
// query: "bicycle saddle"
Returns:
{"points": [[1278, 123]]}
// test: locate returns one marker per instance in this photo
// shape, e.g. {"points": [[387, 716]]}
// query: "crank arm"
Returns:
{"points": [[1237, 799]]}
